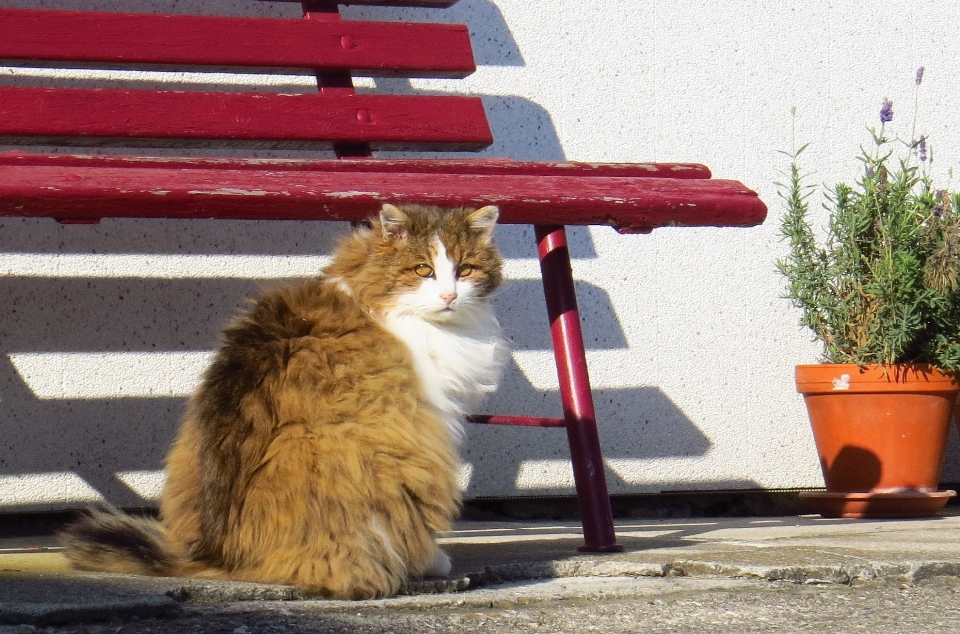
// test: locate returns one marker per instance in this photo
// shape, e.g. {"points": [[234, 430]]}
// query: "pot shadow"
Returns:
{"points": [[854, 469]]}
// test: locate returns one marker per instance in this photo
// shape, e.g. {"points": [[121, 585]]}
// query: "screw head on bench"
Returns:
{"points": [[348, 43], [363, 116]]}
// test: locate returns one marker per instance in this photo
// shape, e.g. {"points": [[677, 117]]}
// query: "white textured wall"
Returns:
{"points": [[107, 327]]}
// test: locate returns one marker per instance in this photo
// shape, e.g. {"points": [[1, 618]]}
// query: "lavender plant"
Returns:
{"points": [[884, 288]]}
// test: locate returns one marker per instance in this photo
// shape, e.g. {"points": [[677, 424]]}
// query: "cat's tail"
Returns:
{"points": [[108, 540]]}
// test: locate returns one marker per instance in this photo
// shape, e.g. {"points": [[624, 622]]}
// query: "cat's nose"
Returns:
{"points": [[448, 297]]}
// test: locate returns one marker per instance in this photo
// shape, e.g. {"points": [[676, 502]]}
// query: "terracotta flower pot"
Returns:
{"points": [[881, 434]]}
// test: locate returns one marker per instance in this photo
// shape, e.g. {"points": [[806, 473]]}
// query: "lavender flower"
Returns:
{"points": [[886, 112], [919, 75], [923, 149], [941, 197]]}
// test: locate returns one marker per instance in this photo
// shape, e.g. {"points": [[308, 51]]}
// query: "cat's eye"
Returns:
{"points": [[423, 270], [464, 270]]}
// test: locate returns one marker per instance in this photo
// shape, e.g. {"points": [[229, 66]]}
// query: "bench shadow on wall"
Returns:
{"points": [[98, 438], [101, 437]]}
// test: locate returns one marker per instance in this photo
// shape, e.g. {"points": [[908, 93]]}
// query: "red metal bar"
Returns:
{"points": [[490, 167], [402, 49], [152, 190], [521, 421], [575, 395], [456, 122], [336, 82], [439, 4]]}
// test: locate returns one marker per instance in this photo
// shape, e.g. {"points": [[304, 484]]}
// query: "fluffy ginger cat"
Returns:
{"points": [[320, 449]]}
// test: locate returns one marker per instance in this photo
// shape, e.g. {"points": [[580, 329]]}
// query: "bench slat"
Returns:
{"points": [[627, 203], [375, 48], [488, 166], [439, 4], [443, 122]]}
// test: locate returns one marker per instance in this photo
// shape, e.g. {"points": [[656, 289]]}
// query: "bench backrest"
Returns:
{"points": [[327, 112], [335, 115]]}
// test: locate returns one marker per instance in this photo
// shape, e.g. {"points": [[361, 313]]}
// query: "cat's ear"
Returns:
{"points": [[395, 224], [484, 220]]}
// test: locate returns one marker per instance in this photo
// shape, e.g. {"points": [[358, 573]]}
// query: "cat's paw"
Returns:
{"points": [[440, 566]]}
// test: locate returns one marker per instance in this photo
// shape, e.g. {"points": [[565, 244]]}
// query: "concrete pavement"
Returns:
{"points": [[504, 564]]}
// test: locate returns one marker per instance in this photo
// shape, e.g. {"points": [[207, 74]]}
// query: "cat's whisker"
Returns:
{"points": [[505, 286]]}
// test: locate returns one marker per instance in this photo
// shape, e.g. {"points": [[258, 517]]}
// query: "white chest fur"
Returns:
{"points": [[456, 361]]}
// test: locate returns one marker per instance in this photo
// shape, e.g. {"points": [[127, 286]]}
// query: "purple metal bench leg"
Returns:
{"points": [[575, 394]]}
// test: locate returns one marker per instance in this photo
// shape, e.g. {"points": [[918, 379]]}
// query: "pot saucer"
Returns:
{"points": [[872, 505]]}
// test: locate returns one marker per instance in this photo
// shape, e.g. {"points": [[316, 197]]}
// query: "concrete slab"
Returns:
{"points": [[512, 563]]}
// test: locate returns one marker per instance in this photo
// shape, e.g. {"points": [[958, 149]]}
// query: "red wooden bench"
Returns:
{"points": [[84, 188]]}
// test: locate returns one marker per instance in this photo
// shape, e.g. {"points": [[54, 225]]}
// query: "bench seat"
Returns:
{"points": [[628, 197]]}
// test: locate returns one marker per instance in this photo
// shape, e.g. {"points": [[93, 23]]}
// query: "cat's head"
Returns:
{"points": [[435, 263]]}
